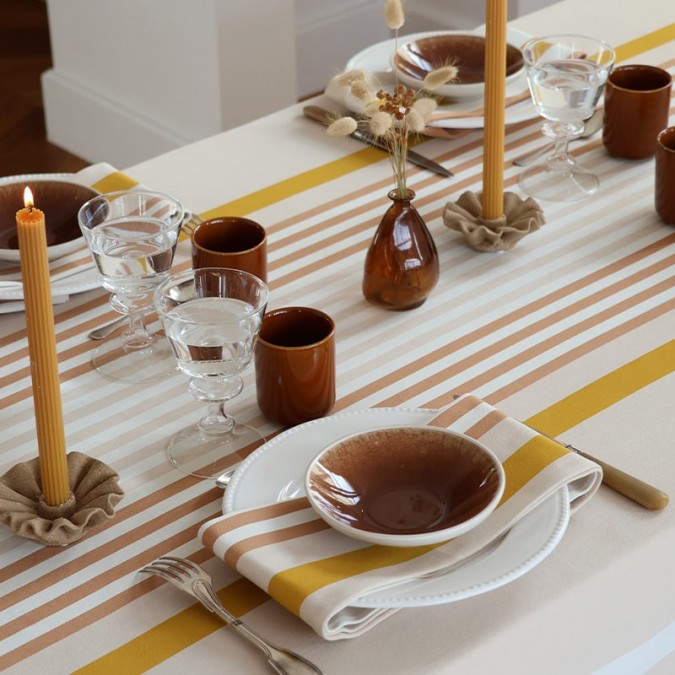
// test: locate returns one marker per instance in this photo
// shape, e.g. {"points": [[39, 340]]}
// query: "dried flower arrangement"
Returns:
{"points": [[392, 116]]}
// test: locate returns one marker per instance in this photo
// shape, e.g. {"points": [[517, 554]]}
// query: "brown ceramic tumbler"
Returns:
{"points": [[238, 243], [637, 101], [664, 195], [295, 365]]}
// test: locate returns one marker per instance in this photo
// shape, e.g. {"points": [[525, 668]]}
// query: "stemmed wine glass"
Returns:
{"points": [[211, 317], [132, 237], [566, 75]]}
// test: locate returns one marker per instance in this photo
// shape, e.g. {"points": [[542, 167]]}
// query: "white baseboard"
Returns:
{"points": [[97, 129]]}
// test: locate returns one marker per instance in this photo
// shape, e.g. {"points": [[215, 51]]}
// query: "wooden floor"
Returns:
{"points": [[24, 55]]}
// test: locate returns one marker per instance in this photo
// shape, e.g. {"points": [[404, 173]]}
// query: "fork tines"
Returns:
{"points": [[173, 569]]}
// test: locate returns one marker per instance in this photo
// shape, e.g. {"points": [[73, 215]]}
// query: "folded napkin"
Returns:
{"points": [[316, 572], [73, 272]]}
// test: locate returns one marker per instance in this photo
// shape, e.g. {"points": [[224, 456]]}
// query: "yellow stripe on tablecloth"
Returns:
{"points": [[176, 633], [595, 397], [644, 43], [291, 186], [115, 181]]}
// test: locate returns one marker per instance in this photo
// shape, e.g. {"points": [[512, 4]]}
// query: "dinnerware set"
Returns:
{"points": [[397, 486]]}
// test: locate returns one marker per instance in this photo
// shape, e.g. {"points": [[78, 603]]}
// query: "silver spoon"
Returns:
{"points": [[107, 329], [224, 479], [593, 125]]}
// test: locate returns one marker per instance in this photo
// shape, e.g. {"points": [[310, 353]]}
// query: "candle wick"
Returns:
{"points": [[30, 209]]}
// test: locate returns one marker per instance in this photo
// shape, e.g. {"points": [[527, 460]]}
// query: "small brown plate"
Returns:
{"points": [[416, 58], [405, 486], [58, 197]]}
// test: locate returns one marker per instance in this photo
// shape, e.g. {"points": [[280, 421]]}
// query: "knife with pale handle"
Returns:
{"points": [[629, 486], [325, 117]]}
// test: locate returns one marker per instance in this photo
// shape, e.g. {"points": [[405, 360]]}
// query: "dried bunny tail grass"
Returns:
{"points": [[372, 107], [440, 76], [342, 127], [415, 121], [362, 90], [348, 77], [425, 106], [394, 16], [380, 123]]}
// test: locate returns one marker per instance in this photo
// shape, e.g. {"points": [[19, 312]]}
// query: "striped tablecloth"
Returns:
{"points": [[571, 331]]}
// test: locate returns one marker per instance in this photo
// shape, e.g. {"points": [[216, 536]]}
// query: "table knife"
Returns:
{"points": [[326, 118], [629, 486]]}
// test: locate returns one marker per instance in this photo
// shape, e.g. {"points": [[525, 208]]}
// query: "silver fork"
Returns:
{"points": [[189, 224], [192, 579]]}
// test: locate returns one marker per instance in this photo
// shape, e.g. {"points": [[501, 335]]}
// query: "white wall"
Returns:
{"points": [[135, 78]]}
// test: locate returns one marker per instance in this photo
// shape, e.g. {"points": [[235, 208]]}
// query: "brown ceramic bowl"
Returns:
{"points": [[405, 486], [416, 58], [60, 200]]}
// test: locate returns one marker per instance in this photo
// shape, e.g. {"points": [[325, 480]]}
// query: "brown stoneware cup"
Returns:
{"points": [[238, 243], [637, 101], [664, 193], [295, 365]]}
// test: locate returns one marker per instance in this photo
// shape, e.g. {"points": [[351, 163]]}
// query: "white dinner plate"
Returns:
{"points": [[275, 472], [376, 60], [85, 280]]}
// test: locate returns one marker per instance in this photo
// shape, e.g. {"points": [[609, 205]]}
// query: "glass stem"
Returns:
{"points": [[136, 335], [215, 391], [216, 421]]}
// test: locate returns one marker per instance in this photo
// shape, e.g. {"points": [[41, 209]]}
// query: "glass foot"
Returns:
{"points": [[567, 185], [208, 456], [116, 362]]}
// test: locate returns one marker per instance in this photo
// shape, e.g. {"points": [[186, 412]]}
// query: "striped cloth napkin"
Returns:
{"points": [[316, 572]]}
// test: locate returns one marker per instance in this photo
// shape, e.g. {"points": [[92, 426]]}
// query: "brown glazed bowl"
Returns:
{"points": [[57, 197], [405, 486], [417, 58]]}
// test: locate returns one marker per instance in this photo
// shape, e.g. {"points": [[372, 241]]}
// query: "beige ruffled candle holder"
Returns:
{"points": [[521, 216], [95, 492]]}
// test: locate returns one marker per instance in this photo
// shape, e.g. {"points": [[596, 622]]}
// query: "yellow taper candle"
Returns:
{"points": [[494, 103], [30, 224]]}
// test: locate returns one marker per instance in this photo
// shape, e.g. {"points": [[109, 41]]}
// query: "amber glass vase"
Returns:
{"points": [[402, 262]]}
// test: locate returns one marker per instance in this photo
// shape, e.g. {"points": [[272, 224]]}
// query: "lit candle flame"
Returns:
{"points": [[28, 198]]}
